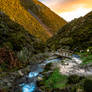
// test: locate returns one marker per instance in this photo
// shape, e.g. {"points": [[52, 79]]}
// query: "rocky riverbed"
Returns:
{"points": [[8, 80], [73, 67], [25, 79]]}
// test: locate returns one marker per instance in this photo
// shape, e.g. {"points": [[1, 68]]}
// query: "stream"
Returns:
{"points": [[31, 78]]}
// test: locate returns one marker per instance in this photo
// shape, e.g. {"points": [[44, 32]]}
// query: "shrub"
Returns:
{"points": [[48, 67], [88, 85], [8, 60], [73, 79]]}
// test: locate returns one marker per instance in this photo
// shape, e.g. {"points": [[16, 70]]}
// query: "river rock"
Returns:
{"points": [[79, 90], [20, 73], [40, 78]]}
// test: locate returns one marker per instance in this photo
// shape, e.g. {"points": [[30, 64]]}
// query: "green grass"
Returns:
{"points": [[56, 80], [86, 58]]}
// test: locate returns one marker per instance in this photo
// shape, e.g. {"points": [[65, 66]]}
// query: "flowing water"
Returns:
{"points": [[30, 84]]}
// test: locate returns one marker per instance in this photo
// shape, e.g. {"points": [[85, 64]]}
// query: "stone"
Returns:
{"points": [[20, 73], [40, 78], [79, 90]]}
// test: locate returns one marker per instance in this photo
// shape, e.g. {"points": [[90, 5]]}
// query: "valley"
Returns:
{"points": [[41, 52]]}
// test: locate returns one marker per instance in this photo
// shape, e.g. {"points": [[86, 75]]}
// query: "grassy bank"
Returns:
{"points": [[86, 57], [56, 80]]}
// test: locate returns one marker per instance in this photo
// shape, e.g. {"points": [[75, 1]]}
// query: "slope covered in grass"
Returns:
{"points": [[52, 21], [17, 13], [16, 10]]}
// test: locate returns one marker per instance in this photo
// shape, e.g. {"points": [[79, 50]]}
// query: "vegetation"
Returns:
{"points": [[74, 79], [75, 35], [88, 85], [20, 15], [17, 13], [61, 83], [17, 46], [84, 85], [55, 80], [8, 60], [86, 57], [52, 21], [48, 67]]}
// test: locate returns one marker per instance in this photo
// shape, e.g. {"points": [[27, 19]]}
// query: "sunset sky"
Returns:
{"points": [[69, 9]]}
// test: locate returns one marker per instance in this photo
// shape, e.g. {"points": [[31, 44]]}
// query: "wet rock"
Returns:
{"points": [[8, 80]]}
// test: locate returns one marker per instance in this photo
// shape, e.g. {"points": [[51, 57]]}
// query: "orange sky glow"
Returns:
{"points": [[69, 9]]}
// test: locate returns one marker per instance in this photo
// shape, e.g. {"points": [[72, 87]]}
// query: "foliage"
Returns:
{"points": [[86, 57], [56, 80], [20, 15], [24, 55], [77, 34], [74, 79], [61, 83], [8, 60], [90, 49], [88, 85], [22, 44], [52, 21], [48, 67]]}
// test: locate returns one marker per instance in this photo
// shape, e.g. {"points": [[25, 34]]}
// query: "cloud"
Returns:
{"points": [[69, 9], [74, 14], [67, 5]]}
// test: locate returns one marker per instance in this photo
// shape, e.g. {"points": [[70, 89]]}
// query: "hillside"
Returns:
{"points": [[76, 34], [20, 15], [47, 17], [17, 46]]}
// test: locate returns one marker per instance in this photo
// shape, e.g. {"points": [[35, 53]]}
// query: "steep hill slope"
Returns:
{"points": [[17, 46], [76, 34], [20, 15], [17, 13], [51, 21]]}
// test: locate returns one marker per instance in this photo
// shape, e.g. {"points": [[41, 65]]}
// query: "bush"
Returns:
{"points": [[24, 55], [73, 79], [88, 85], [8, 60], [90, 49], [48, 67]]}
